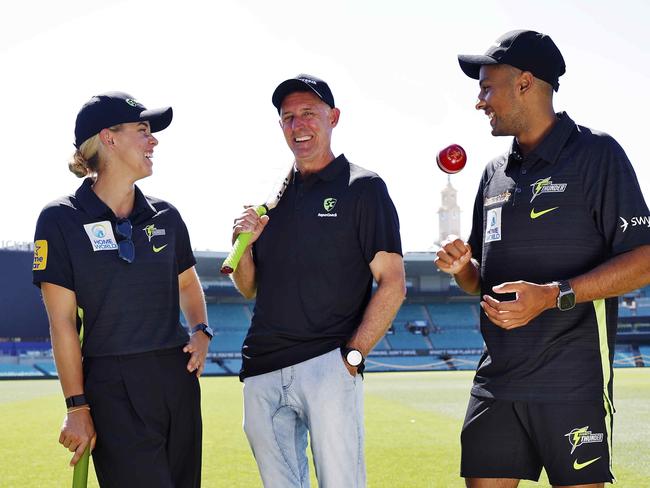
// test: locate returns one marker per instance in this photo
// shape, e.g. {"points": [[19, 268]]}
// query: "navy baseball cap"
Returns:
{"points": [[302, 82], [524, 49], [113, 108]]}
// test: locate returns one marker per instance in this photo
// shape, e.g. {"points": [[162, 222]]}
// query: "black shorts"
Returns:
{"points": [[507, 439], [147, 414]]}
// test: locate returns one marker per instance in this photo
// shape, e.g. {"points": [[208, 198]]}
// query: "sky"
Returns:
{"points": [[391, 65]]}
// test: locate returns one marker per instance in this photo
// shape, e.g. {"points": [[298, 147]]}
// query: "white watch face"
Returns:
{"points": [[354, 358]]}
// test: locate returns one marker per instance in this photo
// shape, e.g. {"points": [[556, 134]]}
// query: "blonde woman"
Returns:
{"points": [[115, 268]]}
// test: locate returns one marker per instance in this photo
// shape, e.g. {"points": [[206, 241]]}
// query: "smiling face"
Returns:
{"points": [[499, 99], [307, 124], [132, 149]]}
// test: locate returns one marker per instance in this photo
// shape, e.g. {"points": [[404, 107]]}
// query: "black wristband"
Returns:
{"points": [[76, 401]]}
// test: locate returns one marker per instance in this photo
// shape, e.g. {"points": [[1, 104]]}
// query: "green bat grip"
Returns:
{"points": [[80, 475], [230, 263]]}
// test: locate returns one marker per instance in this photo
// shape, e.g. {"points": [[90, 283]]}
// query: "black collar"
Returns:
{"points": [[328, 173], [96, 208], [550, 147]]}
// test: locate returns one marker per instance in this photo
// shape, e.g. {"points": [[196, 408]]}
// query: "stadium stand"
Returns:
{"points": [[447, 338], [437, 328], [403, 339], [624, 356], [229, 316], [454, 315]]}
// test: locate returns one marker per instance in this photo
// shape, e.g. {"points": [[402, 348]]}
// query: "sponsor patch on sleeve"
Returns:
{"points": [[40, 255]]}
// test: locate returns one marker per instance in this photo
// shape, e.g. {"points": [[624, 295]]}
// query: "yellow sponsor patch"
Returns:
{"points": [[40, 255]]}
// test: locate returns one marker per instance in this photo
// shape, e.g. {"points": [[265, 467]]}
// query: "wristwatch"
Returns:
{"points": [[353, 357], [206, 329], [566, 300], [75, 401]]}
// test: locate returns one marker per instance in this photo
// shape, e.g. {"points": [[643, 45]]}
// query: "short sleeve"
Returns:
{"points": [[378, 221], [476, 235], [614, 196], [52, 263], [184, 254]]}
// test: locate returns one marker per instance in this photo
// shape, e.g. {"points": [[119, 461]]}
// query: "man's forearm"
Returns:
{"points": [[244, 276], [469, 278], [379, 314], [615, 277]]}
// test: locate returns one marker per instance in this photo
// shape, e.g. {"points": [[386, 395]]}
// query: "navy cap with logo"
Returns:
{"points": [[302, 82], [113, 108], [524, 49]]}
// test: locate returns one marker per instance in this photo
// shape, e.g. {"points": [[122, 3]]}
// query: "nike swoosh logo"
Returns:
{"points": [[577, 465], [534, 215], [158, 249]]}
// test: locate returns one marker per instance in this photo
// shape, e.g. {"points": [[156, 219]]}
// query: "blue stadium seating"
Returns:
{"points": [[454, 315], [227, 341], [625, 311], [233, 365], [383, 344], [213, 369], [456, 339], [409, 312], [624, 359], [406, 363], [229, 316], [26, 370], [645, 354], [403, 339]]}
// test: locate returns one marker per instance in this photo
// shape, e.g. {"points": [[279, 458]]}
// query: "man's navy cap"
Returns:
{"points": [[113, 108], [302, 82], [524, 49]]}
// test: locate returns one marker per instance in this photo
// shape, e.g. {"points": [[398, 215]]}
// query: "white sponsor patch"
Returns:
{"points": [[501, 198], [493, 225], [101, 235], [640, 221]]}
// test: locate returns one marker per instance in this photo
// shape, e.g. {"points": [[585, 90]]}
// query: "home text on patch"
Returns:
{"points": [[101, 235]]}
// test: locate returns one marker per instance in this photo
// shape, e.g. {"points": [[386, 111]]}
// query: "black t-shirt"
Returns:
{"points": [[312, 265], [123, 308], [568, 206]]}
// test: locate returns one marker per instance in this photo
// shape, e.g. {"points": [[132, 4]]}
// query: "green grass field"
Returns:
{"points": [[412, 432]]}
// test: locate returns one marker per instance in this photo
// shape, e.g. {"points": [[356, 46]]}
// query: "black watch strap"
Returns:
{"points": [[203, 328], [76, 401]]}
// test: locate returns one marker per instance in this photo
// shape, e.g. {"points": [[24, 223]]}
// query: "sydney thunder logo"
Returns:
{"points": [[582, 435], [545, 185], [151, 231]]}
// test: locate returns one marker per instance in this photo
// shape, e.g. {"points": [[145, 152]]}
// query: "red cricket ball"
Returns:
{"points": [[452, 159]]}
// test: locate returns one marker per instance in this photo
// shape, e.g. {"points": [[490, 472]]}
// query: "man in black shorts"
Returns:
{"points": [[555, 238]]}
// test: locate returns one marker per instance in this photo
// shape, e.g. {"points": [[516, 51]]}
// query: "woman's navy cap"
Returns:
{"points": [[113, 108], [524, 49]]}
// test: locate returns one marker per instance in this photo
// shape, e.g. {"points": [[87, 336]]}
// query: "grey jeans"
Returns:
{"points": [[318, 396]]}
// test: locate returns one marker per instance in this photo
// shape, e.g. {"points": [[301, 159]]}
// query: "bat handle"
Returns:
{"points": [[80, 475], [241, 243]]}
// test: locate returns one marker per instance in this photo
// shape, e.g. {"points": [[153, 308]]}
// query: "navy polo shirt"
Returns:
{"points": [[312, 265], [570, 205], [123, 307]]}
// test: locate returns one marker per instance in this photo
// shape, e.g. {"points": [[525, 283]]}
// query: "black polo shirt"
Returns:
{"points": [[123, 308], [312, 265], [568, 206]]}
